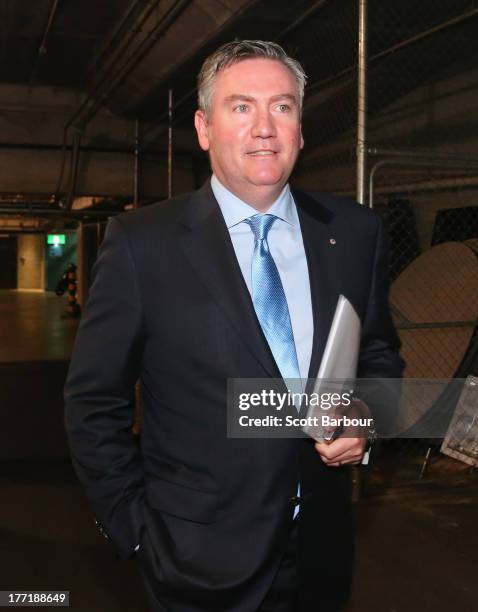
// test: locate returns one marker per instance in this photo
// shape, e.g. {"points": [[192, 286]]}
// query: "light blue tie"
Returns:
{"points": [[271, 307], [269, 299]]}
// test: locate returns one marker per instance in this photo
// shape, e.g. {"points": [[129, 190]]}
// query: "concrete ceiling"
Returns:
{"points": [[124, 55], [74, 39]]}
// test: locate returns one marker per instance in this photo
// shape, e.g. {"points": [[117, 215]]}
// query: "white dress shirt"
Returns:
{"points": [[287, 249]]}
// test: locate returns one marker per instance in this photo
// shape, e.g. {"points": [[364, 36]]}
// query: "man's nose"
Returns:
{"points": [[264, 126]]}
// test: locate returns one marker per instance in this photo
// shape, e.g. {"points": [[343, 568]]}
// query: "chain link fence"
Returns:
{"points": [[423, 169], [422, 160]]}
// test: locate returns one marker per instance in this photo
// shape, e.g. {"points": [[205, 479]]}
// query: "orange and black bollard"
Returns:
{"points": [[73, 309]]}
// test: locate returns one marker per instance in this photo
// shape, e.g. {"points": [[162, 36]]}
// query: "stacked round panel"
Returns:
{"points": [[473, 244], [435, 306]]}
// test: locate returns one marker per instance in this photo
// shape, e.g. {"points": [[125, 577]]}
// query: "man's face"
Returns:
{"points": [[253, 131]]}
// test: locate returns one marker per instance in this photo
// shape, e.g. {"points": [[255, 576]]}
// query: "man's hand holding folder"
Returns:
{"points": [[348, 441]]}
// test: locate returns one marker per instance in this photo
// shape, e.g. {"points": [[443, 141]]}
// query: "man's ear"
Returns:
{"points": [[200, 123], [301, 146]]}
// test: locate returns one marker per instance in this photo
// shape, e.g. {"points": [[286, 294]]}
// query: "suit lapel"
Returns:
{"points": [[207, 244], [315, 222]]}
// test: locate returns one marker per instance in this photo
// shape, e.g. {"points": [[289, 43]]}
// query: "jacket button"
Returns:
{"points": [[101, 529]]}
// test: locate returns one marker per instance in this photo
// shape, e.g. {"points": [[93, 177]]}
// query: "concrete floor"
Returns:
{"points": [[31, 327], [416, 545], [416, 542]]}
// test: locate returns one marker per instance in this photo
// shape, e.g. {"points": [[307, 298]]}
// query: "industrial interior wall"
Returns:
{"points": [[31, 262], [31, 127]]}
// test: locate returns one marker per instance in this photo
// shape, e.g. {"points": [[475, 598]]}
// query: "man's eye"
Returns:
{"points": [[283, 108], [240, 108]]}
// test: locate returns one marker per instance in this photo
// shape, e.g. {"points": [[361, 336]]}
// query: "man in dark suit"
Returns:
{"points": [[237, 280]]}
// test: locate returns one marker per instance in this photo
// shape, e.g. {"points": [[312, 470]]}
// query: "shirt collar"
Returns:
{"points": [[235, 210]]}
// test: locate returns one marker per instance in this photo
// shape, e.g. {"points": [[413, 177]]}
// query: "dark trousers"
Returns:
{"points": [[283, 594]]}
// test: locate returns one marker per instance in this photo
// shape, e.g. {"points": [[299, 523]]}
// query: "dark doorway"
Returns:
{"points": [[8, 261]]}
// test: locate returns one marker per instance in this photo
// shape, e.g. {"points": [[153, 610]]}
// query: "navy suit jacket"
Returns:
{"points": [[169, 306]]}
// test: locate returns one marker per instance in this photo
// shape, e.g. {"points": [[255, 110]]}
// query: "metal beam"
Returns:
{"points": [[362, 104], [137, 161], [22, 146], [114, 79], [75, 162], [86, 213], [423, 155], [414, 158], [170, 143]]}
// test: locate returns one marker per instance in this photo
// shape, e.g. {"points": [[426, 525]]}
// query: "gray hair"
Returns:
{"points": [[237, 51]]}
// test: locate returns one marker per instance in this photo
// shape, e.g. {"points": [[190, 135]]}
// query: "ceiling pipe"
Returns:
{"points": [[125, 150], [119, 34], [94, 86], [75, 162], [131, 62], [90, 105], [439, 184], [305, 15], [423, 155], [426, 185], [107, 70], [432, 159], [87, 213], [43, 49], [170, 144], [400, 45], [137, 163]]}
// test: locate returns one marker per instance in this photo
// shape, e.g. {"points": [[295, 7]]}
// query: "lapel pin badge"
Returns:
{"points": [[333, 241]]}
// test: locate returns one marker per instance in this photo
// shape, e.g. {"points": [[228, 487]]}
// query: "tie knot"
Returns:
{"points": [[260, 225]]}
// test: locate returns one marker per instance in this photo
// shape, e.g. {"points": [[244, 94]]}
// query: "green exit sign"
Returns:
{"points": [[56, 239]]}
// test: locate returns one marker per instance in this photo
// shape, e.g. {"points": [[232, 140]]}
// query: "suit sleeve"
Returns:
{"points": [[379, 359], [99, 393]]}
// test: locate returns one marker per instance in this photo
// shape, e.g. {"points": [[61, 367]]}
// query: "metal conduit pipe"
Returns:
{"points": [[137, 153], [404, 43], [108, 70], [362, 103], [119, 34], [42, 49], [75, 162], [170, 143], [305, 15], [431, 185], [82, 117], [23, 146], [135, 58], [58, 212], [417, 186], [94, 88], [423, 155]]}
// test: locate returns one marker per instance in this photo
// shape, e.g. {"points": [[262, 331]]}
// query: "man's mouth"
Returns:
{"points": [[261, 153]]}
